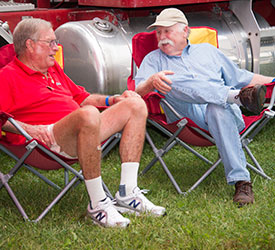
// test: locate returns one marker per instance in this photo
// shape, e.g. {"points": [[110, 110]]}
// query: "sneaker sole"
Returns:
{"points": [[261, 91], [130, 210], [97, 222]]}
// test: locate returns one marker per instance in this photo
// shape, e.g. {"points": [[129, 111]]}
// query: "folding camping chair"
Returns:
{"points": [[185, 132], [33, 154]]}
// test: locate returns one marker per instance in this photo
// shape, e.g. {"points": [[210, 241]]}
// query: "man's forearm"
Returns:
{"points": [[10, 128], [144, 88], [260, 79], [99, 100]]}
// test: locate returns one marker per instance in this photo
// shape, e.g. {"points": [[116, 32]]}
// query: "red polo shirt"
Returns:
{"points": [[32, 98]]}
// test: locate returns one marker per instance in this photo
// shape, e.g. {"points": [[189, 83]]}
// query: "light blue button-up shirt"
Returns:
{"points": [[202, 74]]}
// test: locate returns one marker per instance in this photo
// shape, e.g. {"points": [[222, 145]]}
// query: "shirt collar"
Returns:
{"points": [[28, 70], [185, 51]]}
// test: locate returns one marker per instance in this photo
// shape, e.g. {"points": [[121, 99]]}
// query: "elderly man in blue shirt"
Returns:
{"points": [[201, 83]]}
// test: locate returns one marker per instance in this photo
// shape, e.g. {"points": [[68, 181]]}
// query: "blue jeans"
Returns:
{"points": [[224, 128], [223, 121]]}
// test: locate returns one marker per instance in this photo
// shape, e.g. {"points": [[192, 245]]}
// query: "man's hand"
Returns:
{"points": [[160, 82], [41, 133], [125, 94]]}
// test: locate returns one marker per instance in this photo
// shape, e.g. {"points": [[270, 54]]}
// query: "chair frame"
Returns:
{"points": [[246, 138], [34, 144]]}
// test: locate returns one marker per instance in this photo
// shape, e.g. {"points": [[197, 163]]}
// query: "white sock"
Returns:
{"points": [[95, 190], [128, 180], [233, 96]]}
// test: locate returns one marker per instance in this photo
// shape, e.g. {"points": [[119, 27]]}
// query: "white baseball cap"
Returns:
{"points": [[169, 17]]}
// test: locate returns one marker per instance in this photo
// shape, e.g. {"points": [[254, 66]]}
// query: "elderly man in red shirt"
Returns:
{"points": [[51, 108]]}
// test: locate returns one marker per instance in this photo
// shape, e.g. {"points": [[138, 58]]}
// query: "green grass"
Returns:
{"points": [[205, 219]]}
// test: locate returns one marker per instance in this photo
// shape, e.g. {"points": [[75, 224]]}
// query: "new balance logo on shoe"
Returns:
{"points": [[134, 203], [106, 215], [100, 216]]}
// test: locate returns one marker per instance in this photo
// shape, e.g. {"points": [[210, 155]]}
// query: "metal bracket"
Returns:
{"points": [[243, 11], [182, 123], [31, 145], [4, 178], [246, 141]]}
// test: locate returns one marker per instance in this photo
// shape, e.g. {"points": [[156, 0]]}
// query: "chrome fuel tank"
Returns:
{"points": [[97, 54]]}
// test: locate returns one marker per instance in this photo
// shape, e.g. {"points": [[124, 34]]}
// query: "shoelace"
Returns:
{"points": [[244, 189], [246, 91], [137, 191], [108, 203], [141, 191]]}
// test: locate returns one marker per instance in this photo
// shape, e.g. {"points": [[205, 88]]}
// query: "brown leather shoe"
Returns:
{"points": [[253, 98], [243, 193]]}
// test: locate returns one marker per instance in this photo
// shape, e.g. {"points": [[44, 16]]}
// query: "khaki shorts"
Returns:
{"points": [[55, 147]]}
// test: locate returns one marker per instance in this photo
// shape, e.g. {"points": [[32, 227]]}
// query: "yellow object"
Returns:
{"points": [[3, 133], [59, 56], [203, 35]]}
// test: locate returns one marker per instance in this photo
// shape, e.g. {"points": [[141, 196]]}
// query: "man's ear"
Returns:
{"points": [[29, 45], [186, 31]]}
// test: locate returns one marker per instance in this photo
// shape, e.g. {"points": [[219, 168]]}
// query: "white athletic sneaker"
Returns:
{"points": [[137, 203], [105, 214]]}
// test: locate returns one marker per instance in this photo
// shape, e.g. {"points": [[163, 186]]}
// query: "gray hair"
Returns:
{"points": [[181, 27], [28, 29]]}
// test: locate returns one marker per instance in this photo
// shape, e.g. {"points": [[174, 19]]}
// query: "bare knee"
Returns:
{"points": [[88, 117], [137, 106]]}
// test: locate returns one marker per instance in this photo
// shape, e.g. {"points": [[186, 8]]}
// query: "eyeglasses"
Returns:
{"points": [[51, 43]]}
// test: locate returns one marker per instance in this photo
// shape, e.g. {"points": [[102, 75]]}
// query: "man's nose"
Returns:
{"points": [[162, 36]]}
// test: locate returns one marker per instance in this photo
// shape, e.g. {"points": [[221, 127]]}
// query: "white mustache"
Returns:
{"points": [[165, 41]]}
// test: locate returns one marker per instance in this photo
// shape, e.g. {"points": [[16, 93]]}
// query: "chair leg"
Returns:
{"points": [[186, 146], [49, 182], [4, 180], [57, 198], [258, 172], [158, 157], [206, 174], [107, 191], [42, 177], [110, 143], [66, 176], [258, 169], [158, 152]]}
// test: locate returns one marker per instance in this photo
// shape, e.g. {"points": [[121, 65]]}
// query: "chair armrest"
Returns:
{"points": [[164, 102], [8, 117], [272, 98], [3, 118], [153, 101]]}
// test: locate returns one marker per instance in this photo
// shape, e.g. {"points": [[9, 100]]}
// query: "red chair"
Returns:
{"points": [[32, 154], [184, 131]]}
